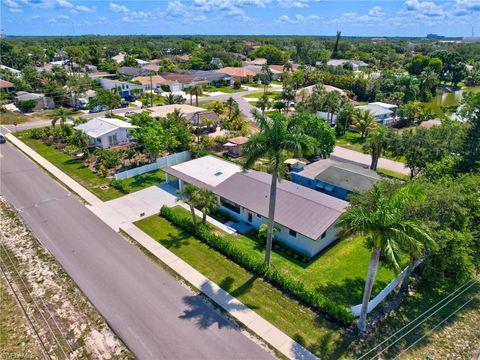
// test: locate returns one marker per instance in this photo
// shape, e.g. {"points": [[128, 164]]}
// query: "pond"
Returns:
{"points": [[447, 99]]}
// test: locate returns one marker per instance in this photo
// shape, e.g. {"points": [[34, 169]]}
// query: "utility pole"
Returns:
{"points": [[151, 91]]}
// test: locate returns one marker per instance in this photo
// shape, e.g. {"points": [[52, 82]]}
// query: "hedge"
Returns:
{"points": [[279, 279]]}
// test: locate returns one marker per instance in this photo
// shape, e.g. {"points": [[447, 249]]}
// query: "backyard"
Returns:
{"points": [[97, 184]]}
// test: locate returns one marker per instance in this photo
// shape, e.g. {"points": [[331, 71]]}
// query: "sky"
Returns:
{"points": [[240, 17]]}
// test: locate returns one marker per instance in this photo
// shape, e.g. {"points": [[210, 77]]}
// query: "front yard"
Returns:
{"points": [[350, 140], [224, 89], [97, 184]]}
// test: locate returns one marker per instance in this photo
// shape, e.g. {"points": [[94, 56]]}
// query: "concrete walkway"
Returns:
{"points": [[112, 214], [342, 154]]}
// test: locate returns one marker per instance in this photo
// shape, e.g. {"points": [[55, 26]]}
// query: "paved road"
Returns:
{"points": [[151, 312]]}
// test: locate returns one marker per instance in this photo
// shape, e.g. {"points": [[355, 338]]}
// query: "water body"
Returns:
{"points": [[447, 99]]}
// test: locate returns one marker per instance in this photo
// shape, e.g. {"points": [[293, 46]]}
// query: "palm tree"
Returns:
{"points": [[279, 135], [231, 104], [217, 107], [189, 91], [207, 203], [263, 103], [60, 114], [376, 142], [196, 90], [331, 104], [387, 231], [189, 194], [266, 75], [170, 99], [288, 67], [364, 122]]}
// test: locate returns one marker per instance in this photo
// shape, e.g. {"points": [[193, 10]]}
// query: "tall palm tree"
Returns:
{"points": [[287, 67], [364, 122], [387, 231], [279, 136], [376, 143], [267, 76], [332, 104], [230, 104], [189, 194], [208, 203], [196, 90], [263, 103], [189, 91], [61, 114]]}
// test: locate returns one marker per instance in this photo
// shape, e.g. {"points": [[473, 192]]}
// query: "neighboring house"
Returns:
{"points": [[123, 88], [178, 81], [43, 102], [141, 62], [131, 72], [334, 178], [384, 115], [238, 72], [193, 114], [105, 132], [304, 93], [210, 77], [6, 86], [357, 65], [217, 62], [153, 82], [152, 67], [305, 218], [119, 58], [234, 145], [12, 71], [258, 61]]}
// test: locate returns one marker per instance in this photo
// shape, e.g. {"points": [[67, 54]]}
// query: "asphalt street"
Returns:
{"points": [[155, 316]]}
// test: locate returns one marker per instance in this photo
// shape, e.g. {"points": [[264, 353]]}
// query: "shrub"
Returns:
{"points": [[119, 185], [275, 277], [103, 171]]}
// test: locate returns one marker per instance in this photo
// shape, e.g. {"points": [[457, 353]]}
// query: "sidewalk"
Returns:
{"points": [[114, 217], [365, 159]]}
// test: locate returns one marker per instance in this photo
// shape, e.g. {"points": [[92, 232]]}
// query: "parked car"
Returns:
{"points": [[130, 98], [128, 113], [98, 108], [2, 139]]}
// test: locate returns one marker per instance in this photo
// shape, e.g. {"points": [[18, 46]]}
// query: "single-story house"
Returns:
{"points": [[105, 132], [430, 123], [153, 82], [357, 65], [392, 107], [305, 218], [335, 178], [258, 61], [210, 77], [193, 114], [152, 67], [119, 58], [43, 102], [238, 72], [12, 71], [234, 145], [6, 86], [384, 115], [123, 88], [178, 81], [141, 62], [304, 93], [131, 72]]}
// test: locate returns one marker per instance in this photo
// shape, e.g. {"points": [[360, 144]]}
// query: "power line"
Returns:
{"points": [[463, 288], [440, 323]]}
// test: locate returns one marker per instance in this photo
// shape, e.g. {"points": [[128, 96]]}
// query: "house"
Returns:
{"points": [[211, 77], [12, 71], [334, 178], [123, 88], [131, 72], [305, 218], [152, 67], [141, 62], [430, 123], [258, 62], [238, 72], [119, 58], [357, 65], [6, 86], [193, 114], [304, 93], [234, 145], [153, 82], [384, 115], [281, 68], [105, 132], [43, 102], [216, 62], [178, 81]]}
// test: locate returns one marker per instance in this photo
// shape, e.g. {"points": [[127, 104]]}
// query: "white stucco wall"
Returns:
{"points": [[122, 138]]}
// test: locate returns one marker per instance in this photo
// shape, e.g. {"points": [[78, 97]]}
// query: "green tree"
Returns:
{"points": [[387, 232], [278, 136], [189, 194], [263, 103], [376, 143], [364, 122], [321, 133], [207, 203], [61, 114], [105, 97], [470, 110]]}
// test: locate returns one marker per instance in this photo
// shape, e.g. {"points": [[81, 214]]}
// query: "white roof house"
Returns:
{"points": [[107, 132], [383, 114], [356, 64], [14, 72]]}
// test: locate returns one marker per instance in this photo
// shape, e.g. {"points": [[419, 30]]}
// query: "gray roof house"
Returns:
{"points": [[43, 102], [357, 65], [335, 178], [132, 72], [107, 132], [123, 88], [304, 217], [384, 115]]}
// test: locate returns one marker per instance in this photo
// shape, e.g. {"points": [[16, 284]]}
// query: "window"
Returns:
{"points": [[259, 216], [230, 205], [250, 217], [112, 140], [292, 233], [323, 235]]}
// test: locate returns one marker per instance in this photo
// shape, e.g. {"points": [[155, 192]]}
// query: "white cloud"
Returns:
{"points": [[376, 11], [11, 4], [297, 19], [138, 17], [176, 8], [423, 9], [472, 5], [84, 9], [292, 3], [118, 8], [49, 4]]}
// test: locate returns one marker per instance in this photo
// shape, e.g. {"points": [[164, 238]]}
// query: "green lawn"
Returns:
{"points": [[301, 323], [350, 140], [272, 95], [10, 117], [76, 170], [225, 89], [393, 174]]}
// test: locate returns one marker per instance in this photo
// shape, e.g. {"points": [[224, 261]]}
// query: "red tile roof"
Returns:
{"points": [[4, 84], [237, 72], [157, 79]]}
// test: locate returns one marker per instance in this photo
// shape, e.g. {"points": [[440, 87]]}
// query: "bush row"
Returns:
{"points": [[277, 278]]}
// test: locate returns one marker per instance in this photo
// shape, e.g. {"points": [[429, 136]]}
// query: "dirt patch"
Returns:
{"points": [[69, 326]]}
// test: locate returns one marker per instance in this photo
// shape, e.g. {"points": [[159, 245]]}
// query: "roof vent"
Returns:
{"points": [[218, 173]]}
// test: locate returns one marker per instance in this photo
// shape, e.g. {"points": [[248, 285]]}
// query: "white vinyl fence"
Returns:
{"points": [[169, 160], [383, 294]]}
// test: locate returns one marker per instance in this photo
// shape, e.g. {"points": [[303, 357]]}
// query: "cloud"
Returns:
{"points": [[376, 11], [297, 19], [472, 5], [11, 4], [138, 17], [49, 4], [292, 3], [423, 9], [83, 9], [118, 8]]}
